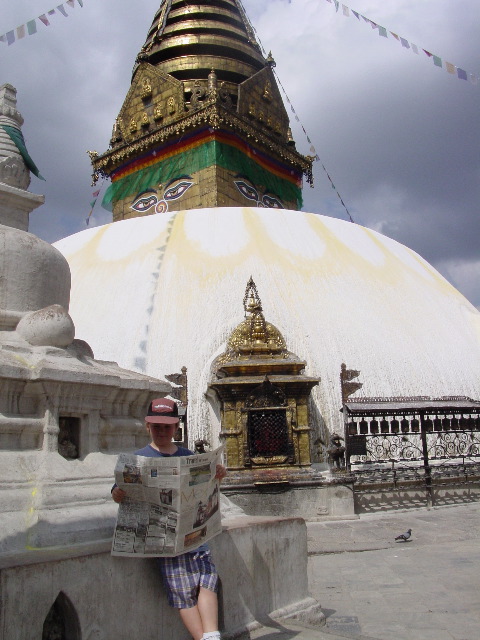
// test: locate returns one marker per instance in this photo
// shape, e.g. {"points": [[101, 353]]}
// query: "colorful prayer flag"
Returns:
{"points": [[450, 67], [61, 8], [404, 43], [51, 12], [10, 37], [473, 78], [95, 193], [357, 15], [346, 11], [43, 18], [3, 38], [31, 27], [437, 61], [462, 74], [428, 53], [71, 3], [80, 2], [414, 48], [382, 32], [21, 32], [395, 36]]}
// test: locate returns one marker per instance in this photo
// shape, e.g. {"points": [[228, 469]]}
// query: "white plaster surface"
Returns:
{"points": [[33, 274], [165, 291]]}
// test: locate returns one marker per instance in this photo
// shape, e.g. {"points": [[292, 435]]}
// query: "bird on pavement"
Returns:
{"points": [[404, 536]]}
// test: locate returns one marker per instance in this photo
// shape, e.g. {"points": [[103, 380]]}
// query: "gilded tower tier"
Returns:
{"points": [[264, 399], [203, 124]]}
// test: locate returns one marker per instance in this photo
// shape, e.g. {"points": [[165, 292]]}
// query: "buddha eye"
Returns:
{"points": [[145, 203], [272, 203], [177, 191], [247, 190]]}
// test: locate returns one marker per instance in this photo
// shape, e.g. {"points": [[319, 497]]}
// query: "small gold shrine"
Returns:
{"points": [[264, 402]]}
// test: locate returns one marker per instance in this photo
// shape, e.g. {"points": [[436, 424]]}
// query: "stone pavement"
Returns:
{"points": [[373, 588]]}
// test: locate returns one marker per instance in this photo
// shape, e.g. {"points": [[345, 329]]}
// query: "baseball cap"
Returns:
{"points": [[162, 411]]}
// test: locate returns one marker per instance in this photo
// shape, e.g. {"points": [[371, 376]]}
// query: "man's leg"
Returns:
{"points": [[208, 609], [202, 618], [192, 620]]}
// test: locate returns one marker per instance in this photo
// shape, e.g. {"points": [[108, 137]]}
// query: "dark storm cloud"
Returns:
{"points": [[398, 136]]}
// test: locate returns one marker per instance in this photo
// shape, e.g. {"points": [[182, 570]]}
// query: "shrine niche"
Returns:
{"points": [[264, 402]]}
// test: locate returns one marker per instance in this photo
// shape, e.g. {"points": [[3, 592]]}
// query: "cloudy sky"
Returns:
{"points": [[400, 137]]}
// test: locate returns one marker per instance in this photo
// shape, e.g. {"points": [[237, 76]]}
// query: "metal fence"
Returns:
{"points": [[409, 443]]}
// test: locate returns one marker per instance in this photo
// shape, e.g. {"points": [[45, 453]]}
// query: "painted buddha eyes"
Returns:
{"points": [[148, 199], [252, 194], [247, 190], [272, 203], [177, 191], [145, 203]]}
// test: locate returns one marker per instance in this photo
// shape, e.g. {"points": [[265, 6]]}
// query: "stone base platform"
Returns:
{"points": [[305, 493], [262, 563]]}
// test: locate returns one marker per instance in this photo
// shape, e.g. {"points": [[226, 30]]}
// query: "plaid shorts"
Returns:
{"points": [[184, 575]]}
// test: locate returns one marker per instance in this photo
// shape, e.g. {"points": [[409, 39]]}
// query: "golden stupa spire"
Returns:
{"points": [[203, 124], [188, 40]]}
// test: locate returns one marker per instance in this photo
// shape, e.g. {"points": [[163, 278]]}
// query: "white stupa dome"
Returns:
{"points": [[160, 292]]}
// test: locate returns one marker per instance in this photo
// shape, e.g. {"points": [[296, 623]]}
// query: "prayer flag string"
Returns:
{"points": [[314, 155], [30, 27], [461, 74], [95, 195]]}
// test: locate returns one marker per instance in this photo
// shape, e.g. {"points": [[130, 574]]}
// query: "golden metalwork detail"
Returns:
{"points": [[267, 92], [177, 88], [264, 395], [171, 106], [146, 88], [116, 132], [211, 114]]}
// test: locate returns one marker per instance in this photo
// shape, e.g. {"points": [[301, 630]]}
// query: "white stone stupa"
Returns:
{"points": [[205, 179], [61, 411], [168, 291]]}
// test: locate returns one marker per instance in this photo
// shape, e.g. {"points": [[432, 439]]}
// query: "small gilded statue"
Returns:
{"points": [[146, 88], [336, 451]]}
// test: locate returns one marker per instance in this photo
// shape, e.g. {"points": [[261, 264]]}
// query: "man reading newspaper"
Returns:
{"points": [[190, 579]]}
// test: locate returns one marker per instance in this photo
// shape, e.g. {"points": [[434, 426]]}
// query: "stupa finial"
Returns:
{"points": [[251, 300]]}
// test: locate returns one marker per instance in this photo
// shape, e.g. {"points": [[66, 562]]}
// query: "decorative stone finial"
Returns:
{"points": [[212, 84], [13, 170], [270, 61], [251, 300]]}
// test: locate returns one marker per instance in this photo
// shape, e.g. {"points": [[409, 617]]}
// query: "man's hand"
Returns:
{"points": [[118, 495]]}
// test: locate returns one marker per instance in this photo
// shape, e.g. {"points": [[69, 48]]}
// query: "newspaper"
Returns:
{"points": [[172, 504]]}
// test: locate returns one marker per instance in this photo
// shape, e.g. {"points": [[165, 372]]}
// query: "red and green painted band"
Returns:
{"points": [[198, 152]]}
